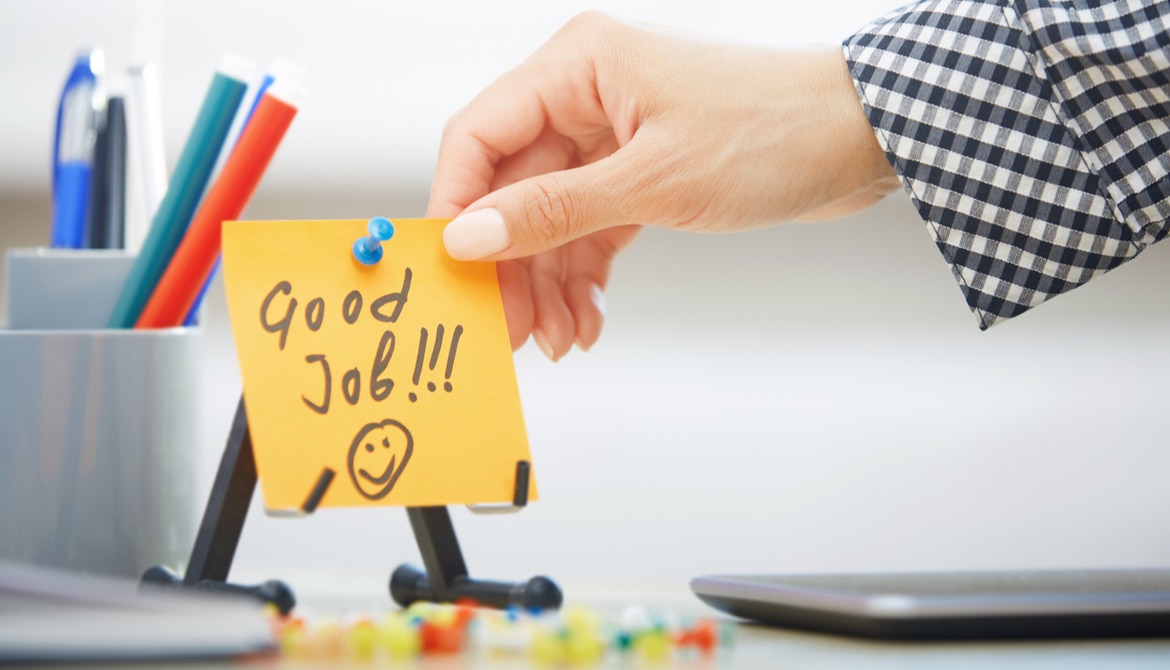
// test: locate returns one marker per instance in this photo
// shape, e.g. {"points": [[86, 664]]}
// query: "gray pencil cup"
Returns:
{"points": [[99, 429]]}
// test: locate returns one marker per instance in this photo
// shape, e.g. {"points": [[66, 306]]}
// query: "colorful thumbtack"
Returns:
{"points": [[368, 250]]}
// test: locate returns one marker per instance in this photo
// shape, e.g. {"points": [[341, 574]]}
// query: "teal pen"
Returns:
{"points": [[280, 68], [185, 190]]}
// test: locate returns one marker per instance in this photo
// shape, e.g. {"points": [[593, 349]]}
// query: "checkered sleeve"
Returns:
{"points": [[1033, 136]]}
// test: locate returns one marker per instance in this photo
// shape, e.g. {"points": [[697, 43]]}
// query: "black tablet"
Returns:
{"points": [[953, 605]]}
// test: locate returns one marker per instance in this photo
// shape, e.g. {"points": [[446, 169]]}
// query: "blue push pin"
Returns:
{"points": [[368, 250]]}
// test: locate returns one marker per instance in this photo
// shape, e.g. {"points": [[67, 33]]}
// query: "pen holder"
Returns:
{"points": [[99, 429]]}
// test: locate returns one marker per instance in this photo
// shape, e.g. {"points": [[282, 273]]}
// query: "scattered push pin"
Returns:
{"points": [[368, 250]]}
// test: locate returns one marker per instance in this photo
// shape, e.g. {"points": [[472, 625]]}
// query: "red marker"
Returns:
{"points": [[195, 258]]}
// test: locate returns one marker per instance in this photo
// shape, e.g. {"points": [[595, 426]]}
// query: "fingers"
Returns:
{"points": [[549, 210], [474, 141], [555, 89], [553, 329], [550, 152], [516, 293], [586, 301], [560, 296], [587, 275]]}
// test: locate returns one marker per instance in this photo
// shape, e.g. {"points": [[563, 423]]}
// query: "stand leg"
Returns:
{"points": [[446, 578], [223, 521], [227, 508], [442, 557]]}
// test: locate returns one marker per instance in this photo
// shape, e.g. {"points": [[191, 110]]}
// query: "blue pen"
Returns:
{"points": [[280, 68], [73, 150]]}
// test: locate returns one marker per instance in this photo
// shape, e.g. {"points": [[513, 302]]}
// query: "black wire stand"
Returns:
{"points": [[445, 578]]}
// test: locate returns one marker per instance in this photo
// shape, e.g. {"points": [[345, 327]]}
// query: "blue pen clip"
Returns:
{"points": [[73, 149]]}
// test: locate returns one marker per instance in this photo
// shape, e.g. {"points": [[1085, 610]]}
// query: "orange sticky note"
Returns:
{"points": [[397, 376]]}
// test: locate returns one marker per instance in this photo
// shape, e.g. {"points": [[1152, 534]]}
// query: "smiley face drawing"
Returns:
{"points": [[377, 457]]}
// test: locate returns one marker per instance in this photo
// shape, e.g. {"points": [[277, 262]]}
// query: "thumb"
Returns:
{"points": [[539, 213]]}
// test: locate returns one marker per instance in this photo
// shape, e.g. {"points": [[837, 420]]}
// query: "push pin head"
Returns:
{"points": [[368, 250]]}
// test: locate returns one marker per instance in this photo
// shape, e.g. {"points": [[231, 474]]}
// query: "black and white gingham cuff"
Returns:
{"points": [[1032, 136]]}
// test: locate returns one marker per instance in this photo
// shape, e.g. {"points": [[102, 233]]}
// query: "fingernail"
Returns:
{"points": [[477, 234], [598, 297], [542, 342]]}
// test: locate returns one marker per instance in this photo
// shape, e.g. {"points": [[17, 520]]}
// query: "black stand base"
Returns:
{"points": [[408, 585], [446, 579], [273, 591]]}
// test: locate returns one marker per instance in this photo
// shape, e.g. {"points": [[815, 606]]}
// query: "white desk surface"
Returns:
{"points": [[758, 647], [764, 647]]}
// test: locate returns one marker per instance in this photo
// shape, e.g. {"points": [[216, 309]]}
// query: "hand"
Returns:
{"points": [[611, 126]]}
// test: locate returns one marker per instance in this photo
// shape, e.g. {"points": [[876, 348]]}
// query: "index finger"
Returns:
{"points": [[506, 117], [555, 88]]}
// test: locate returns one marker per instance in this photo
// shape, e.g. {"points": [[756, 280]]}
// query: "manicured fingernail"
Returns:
{"points": [[598, 297], [477, 234], [542, 342]]}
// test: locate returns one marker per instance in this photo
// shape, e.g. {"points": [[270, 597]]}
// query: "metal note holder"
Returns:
{"points": [[445, 578]]}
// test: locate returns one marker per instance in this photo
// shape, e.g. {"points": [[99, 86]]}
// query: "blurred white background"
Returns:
{"points": [[800, 398]]}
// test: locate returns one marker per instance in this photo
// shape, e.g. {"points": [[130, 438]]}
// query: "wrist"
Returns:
{"points": [[860, 159]]}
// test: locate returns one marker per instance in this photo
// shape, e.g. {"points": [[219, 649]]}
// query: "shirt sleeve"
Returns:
{"points": [[1032, 135]]}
